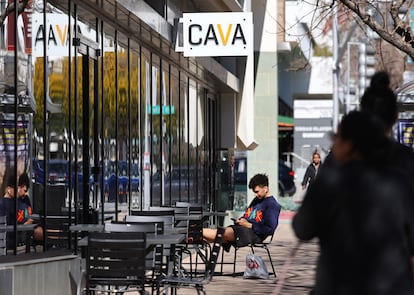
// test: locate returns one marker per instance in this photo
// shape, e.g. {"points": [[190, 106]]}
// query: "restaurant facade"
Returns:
{"points": [[106, 91], [105, 87], [109, 88]]}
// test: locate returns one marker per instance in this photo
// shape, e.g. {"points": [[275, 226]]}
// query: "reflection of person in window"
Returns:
{"points": [[24, 207]]}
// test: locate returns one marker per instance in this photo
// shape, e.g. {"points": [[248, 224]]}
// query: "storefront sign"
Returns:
{"points": [[217, 34], [56, 33]]}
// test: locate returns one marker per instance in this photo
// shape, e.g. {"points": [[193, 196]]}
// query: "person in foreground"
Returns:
{"points": [[352, 209], [258, 221]]}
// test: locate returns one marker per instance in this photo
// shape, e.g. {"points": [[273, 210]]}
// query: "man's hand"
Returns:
{"points": [[243, 222]]}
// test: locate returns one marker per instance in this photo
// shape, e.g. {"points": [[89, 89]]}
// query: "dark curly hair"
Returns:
{"points": [[258, 180]]}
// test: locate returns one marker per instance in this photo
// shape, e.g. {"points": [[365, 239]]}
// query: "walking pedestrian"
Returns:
{"points": [[352, 209], [311, 170]]}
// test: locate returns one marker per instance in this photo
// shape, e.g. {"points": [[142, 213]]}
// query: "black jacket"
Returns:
{"points": [[309, 174], [360, 222]]}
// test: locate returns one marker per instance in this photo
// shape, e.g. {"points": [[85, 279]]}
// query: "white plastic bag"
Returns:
{"points": [[255, 267]]}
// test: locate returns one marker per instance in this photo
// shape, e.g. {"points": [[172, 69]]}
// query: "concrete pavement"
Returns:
{"points": [[299, 278]]}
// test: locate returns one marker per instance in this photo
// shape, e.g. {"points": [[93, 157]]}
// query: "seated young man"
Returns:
{"points": [[258, 221]]}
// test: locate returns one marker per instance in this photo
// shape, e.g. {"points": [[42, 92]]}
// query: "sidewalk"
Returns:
{"points": [[299, 278]]}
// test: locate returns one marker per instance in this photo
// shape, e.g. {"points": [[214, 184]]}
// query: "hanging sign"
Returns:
{"points": [[217, 34]]}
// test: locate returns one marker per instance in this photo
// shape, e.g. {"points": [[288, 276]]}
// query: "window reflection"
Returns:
{"points": [[145, 139]]}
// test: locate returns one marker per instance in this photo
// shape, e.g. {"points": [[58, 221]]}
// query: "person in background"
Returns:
{"points": [[311, 170], [258, 221], [353, 210]]}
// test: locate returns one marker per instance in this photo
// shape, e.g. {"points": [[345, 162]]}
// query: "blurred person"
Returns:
{"points": [[311, 170], [353, 210], [381, 100], [259, 220]]}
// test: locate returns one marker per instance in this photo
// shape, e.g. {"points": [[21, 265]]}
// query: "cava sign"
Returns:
{"points": [[217, 34]]}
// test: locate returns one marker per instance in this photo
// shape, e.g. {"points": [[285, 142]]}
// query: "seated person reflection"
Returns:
{"points": [[258, 221], [24, 208], [25, 205]]}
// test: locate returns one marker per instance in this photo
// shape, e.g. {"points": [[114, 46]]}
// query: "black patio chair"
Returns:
{"points": [[163, 212], [194, 239], [263, 244], [115, 262], [168, 220], [154, 263], [175, 282]]}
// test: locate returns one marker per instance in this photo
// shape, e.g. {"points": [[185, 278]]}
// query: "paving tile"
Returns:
{"points": [[298, 279]]}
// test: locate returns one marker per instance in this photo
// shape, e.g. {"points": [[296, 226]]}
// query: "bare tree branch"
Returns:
{"points": [[399, 35]]}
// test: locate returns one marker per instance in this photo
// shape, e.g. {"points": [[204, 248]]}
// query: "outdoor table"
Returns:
{"points": [[86, 227], [215, 213], [188, 217], [108, 212], [20, 228], [175, 230], [213, 216], [151, 241], [37, 217]]}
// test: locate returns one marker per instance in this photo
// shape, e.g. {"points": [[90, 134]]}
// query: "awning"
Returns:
{"points": [[245, 107], [285, 123]]}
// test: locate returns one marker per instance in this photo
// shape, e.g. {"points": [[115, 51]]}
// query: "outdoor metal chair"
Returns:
{"points": [[189, 204], [154, 263], [264, 245], [177, 282], [153, 212], [115, 262], [56, 232], [168, 220], [194, 238]]}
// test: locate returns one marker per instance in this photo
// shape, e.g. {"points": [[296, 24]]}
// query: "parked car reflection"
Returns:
{"points": [[110, 185], [179, 184], [286, 180], [57, 171]]}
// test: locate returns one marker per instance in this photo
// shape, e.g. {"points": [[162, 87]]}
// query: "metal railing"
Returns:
{"points": [[303, 162]]}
